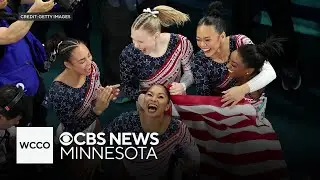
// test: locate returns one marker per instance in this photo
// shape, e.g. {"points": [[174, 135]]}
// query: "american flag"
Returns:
{"points": [[232, 142]]}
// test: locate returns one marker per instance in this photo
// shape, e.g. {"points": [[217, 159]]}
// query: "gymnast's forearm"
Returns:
{"points": [[187, 79], [17, 30]]}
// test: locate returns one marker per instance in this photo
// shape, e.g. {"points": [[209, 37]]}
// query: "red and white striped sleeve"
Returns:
{"points": [[187, 50], [242, 40]]}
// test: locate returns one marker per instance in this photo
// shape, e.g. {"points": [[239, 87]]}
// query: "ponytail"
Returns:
{"points": [[59, 45], [152, 20], [169, 16], [254, 56], [271, 48]]}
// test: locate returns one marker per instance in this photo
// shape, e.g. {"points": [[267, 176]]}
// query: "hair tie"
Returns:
{"points": [[153, 12], [20, 85], [56, 50]]}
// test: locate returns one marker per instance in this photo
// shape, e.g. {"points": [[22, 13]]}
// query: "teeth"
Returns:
{"points": [[152, 106], [230, 71], [205, 50]]}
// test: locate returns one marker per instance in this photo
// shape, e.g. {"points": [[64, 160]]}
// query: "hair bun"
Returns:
{"points": [[52, 43], [215, 9]]}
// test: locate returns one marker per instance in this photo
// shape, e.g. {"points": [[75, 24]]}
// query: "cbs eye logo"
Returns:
{"points": [[66, 138]]}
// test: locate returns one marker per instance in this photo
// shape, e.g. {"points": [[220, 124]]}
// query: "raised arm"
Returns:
{"points": [[17, 30], [129, 81]]}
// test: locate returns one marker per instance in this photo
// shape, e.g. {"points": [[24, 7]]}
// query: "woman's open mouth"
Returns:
{"points": [[152, 108]]}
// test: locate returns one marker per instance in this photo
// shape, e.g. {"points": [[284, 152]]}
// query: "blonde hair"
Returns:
{"points": [[152, 20]]}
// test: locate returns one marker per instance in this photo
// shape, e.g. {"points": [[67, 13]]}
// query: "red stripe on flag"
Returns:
{"points": [[223, 129], [197, 117], [218, 117], [213, 115], [194, 100]]}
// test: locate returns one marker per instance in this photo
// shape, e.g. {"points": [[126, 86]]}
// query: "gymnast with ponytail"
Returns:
{"points": [[156, 57], [209, 69], [76, 95], [247, 61], [243, 145]]}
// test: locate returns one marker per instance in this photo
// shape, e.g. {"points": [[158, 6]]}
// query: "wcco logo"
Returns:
{"points": [[34, 145]]}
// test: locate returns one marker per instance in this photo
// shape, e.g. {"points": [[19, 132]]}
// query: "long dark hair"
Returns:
{"points": [[214, 17], [60, 46], [254, 56]]}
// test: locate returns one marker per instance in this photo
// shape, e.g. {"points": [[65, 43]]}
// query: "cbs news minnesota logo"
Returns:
{"points": [[34, 145]]}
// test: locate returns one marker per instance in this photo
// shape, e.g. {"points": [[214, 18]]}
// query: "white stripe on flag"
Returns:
{"points": [[203, 126], [228, 121], [246, 109]]}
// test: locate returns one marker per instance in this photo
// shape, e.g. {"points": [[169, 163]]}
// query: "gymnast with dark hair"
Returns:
{"points": [[247, 61], [242, 145], [244, 64], [210, 63], [76, 95], [177, 152]]}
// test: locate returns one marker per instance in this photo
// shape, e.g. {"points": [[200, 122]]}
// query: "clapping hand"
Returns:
{"points": [[105, 95]]}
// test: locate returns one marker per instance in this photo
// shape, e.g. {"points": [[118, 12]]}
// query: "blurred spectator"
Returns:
{"points": [[282, 26], [12, 109], [78, 28], [23, 56]]}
